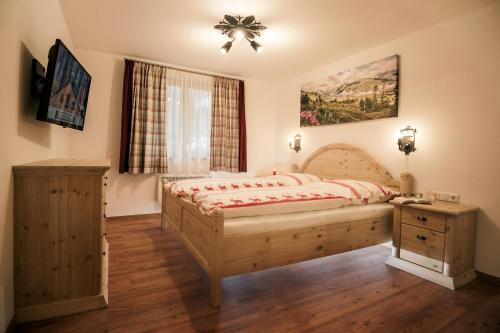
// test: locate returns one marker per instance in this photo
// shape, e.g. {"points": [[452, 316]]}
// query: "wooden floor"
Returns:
{"points": [[156, 286]]}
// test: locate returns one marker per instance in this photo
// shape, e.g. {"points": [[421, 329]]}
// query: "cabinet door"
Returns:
{"points": [[75, 203], [35, 255], [57, 238]]}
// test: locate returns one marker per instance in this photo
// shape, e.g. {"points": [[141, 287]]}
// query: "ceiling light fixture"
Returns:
{"points": [[226, 47], [239, 27], [256, 46]]}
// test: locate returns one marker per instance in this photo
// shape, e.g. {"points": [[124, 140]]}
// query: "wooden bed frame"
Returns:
{"points": [[222, 256]]}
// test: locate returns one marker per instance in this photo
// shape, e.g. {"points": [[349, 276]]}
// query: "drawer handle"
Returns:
{"points": [[421, 237], [422, 219]]}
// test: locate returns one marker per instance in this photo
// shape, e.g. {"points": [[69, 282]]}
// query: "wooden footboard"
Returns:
{"points": [[253, 252], [202, 235]]}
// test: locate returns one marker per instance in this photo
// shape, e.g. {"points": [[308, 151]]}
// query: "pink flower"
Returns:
{"points": [[310, 116]]}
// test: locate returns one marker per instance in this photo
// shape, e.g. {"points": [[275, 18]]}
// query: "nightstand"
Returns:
{"points": [[435, 242]]}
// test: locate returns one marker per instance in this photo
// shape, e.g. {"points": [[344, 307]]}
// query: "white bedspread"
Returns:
{"points": [[187, 188], [284, 200]]}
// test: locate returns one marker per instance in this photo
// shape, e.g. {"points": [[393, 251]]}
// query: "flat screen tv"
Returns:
{"points": [[65, 91]]}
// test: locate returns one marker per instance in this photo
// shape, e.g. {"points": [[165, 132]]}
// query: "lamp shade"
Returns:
{"points": [[406, 141], [295, 145], [256, 46], [226, 47]]}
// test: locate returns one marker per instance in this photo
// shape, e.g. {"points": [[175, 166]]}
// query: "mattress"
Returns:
{"points": [[275, 222]]}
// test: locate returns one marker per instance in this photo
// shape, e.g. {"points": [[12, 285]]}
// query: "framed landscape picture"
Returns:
{"points": [[363, 93]]}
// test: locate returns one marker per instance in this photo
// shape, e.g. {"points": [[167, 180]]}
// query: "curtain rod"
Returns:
{"points": [[184, 69]]}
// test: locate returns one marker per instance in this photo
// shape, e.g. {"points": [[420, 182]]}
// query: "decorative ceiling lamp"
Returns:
{"points": [[239, 27]]}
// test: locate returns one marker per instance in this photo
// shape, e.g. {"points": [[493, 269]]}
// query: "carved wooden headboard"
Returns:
{"points": [[341, 160]]}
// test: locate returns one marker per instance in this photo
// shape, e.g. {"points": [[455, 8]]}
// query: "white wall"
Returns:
{"points": [[27, 30], [449, 86], [260, 105], [137, 194]]}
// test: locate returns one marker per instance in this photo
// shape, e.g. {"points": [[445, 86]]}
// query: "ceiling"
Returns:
{"points": [[301, 35]]}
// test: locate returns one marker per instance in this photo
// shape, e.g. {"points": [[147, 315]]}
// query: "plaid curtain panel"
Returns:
{"points": [[224, 138], [148, 148]]}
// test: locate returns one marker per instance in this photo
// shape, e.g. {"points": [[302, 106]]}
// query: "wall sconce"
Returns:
{"points": [[406, 141], [296, 143]]}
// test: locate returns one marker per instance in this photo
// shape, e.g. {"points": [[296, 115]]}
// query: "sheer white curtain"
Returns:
{"points": [[189, 112]]}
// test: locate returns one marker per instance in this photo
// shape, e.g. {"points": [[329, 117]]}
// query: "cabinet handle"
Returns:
{"points": [[104, 253], [422, 219], [421, 237], [105, 184]]}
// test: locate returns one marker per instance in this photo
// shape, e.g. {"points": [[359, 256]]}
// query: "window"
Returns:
{"points": [[189, 112]]}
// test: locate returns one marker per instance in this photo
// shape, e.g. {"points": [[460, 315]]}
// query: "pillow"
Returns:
{"points": [[225, 174], [366, 192], [301, 178]]}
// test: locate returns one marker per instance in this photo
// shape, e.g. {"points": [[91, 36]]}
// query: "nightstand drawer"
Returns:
{"points": [[424, 219], [422, 246]]}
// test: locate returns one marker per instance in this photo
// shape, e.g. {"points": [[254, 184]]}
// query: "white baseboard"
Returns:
{"points": [[430, 275]]}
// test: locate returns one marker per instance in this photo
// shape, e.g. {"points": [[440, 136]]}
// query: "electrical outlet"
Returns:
{"points": [[450, 197]]}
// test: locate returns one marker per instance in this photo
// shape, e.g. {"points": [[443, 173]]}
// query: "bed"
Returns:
{"points": [[230, 246]]}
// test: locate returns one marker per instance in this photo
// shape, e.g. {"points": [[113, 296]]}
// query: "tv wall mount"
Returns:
{"points": [[37, 78]]}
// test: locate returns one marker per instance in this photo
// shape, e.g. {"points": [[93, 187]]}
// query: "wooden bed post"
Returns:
{"points": [[216, 258]]}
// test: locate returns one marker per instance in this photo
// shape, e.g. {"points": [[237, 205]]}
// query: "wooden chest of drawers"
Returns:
{"points": [[435, 242], [60, 251]]}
